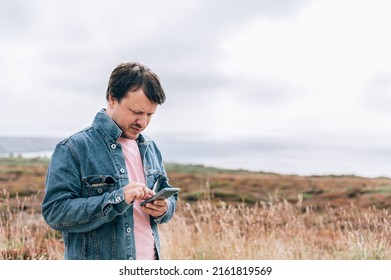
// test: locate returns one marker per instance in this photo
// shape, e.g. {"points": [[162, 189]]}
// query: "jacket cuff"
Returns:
{"points": [[116, 200]]}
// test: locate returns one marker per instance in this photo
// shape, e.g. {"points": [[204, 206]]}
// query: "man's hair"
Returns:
{"points": [[131, 77]]}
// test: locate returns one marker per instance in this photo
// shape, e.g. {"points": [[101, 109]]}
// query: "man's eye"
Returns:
{"points": [[136, 113]]}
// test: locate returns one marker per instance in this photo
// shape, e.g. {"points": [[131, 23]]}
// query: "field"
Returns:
{"points": [[225, 214]]}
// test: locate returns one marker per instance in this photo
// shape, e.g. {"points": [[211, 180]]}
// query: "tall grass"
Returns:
{"points": [[275, 230], [23, 233], [208, 230]]}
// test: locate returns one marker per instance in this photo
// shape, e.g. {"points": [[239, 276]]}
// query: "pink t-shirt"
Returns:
{"points": [[145, 243]]}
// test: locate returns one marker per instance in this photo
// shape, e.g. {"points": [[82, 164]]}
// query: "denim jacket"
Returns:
{"points": [[84, 196]]}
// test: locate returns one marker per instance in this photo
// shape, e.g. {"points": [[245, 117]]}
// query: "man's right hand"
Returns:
{"points": [[136, 191]]}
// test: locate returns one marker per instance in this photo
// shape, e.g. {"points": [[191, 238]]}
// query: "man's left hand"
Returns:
{"points": [[155, 209]]}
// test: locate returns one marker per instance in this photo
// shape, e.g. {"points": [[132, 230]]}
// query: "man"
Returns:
{"points": [[97, 177]]}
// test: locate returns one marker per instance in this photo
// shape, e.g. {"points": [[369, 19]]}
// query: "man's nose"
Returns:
{"points": [[142, 121]]}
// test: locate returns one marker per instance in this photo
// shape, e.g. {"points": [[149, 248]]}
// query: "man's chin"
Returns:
{"points": [[130, 136]]}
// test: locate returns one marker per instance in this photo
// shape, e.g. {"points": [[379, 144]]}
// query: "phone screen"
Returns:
{"points": [[163, 194]]}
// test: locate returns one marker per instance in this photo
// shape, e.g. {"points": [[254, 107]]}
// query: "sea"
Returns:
{"points": [[27, 147], [249, 154]]}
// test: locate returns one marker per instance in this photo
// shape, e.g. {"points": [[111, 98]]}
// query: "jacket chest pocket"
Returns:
{"points": [[99, 184]]}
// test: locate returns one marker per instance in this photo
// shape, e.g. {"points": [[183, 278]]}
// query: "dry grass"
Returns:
{"points": [[23, 233], [207, 230], [277, 230], [334, 218]]}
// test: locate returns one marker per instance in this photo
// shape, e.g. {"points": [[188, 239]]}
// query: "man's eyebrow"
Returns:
{"points": [[141, 112]]}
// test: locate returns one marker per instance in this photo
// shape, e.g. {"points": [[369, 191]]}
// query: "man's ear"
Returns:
{"points": [[112, 101]]}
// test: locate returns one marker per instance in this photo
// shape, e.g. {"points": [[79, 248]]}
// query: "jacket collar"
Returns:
{"points": [[110, 130]]}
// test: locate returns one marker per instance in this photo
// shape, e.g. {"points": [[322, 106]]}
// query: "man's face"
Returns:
{"points": [[132, 114]]}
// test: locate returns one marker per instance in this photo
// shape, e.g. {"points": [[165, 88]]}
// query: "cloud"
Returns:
{"points": [[63, 47], [377, 94], [232, 70], [16, 16]]}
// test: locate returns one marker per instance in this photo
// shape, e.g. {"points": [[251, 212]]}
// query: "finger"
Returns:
{"points": [[159, 208], [160, 202], [151, 211], [141, 192], [136, 195], [151, 206], [150, 192], [146, 192]]}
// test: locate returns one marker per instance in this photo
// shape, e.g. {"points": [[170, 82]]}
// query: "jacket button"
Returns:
{"points": [[113, 146], [122, 170], [128, 230], [117, 199]]}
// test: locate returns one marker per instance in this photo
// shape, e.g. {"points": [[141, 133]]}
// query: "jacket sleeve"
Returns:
{"points": [[64, 207], [171, 201]]}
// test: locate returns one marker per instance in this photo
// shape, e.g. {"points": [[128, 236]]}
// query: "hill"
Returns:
{"points": [[26, 177], [253, 187]]}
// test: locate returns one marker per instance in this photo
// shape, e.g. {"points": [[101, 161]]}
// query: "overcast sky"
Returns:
{"points": [[289, 86]]}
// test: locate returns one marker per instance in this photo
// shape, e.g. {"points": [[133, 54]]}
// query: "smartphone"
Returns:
{"points": [[162, 194]]}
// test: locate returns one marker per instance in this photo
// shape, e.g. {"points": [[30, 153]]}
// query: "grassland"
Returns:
{"points": [[225, 214]]}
